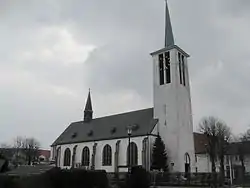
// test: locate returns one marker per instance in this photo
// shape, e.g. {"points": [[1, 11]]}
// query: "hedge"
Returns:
{"points": [[57, 178]]}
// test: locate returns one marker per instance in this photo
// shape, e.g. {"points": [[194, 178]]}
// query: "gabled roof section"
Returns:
{"points": [[103, 128]]}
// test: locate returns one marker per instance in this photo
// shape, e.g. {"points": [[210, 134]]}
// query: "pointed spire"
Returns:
{"points": [[169, 37], [88, 112], [88, 106]]}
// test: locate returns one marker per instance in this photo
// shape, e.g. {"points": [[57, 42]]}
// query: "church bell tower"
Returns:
{"points": [[172, 101]]}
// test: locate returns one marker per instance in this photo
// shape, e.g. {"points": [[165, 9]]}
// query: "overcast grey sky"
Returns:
{"points": [[52, 51]]}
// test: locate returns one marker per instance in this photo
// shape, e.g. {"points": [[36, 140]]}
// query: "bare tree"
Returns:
{"points": [[208, 127], [18, 141], [25, 149], [245, 136], [17, 145], [224, 136], [31, 147], [218, 135]]}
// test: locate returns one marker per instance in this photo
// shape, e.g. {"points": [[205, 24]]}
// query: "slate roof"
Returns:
{"points": [[200, 140], [237, 148], [109, 127], [234, 148]]}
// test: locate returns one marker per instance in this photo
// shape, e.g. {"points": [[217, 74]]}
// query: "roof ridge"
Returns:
{"points": [[122, 113]]}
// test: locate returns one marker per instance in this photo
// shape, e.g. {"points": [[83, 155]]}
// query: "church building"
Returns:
{"points": [[111, 143]]}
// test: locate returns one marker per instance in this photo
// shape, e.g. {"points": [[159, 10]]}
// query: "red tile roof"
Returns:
{"points": [[45, 153]]}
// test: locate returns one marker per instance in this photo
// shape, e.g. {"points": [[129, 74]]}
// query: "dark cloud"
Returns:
{"points": [[51, 52], [119, 67]]}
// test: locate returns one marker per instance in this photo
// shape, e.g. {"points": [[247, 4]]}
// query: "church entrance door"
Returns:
{"points": [[187, 164]]}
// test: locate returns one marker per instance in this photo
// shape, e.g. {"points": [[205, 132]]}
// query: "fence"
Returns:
{"points": [[181, 179], [194, 179], [243, 180], [170, 179]]}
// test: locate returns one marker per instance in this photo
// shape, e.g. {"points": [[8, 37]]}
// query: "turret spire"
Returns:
{"points": [[169, 37], [88, 112]]}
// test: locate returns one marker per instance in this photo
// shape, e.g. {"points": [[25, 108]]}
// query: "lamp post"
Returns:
{"points": [[129, 130]]}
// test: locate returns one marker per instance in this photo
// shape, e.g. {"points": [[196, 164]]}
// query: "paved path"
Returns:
{"points": [[175, 187], [185, 187]]}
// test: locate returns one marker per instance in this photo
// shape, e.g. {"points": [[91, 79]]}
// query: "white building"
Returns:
{"points": [[102, 143], [235, 154]]}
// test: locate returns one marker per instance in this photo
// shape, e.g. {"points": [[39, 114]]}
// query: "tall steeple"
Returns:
{"points": [[169, 37], [172, 101], [88, 112]]}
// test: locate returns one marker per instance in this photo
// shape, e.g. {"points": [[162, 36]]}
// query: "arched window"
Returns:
{"points": [[107, 156], [85, 156], [187, 158], [132, 154], [187, 164], [67, 157]]}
